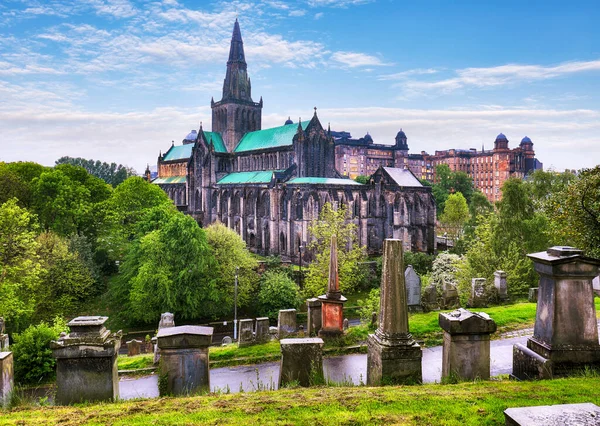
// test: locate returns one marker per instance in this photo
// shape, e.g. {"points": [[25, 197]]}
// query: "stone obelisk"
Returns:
{"points": [[332, 303], [393, 355]]}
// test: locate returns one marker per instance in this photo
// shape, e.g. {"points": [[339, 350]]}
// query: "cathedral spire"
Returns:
{"points": [[236, 50], [237, 84]]}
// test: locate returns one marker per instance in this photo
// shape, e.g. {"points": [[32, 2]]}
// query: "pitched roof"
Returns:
{"points": [[179, 152], [403, 177], [170, 180], [269, 138], [248, 177], [217, 141], [322, 181]]}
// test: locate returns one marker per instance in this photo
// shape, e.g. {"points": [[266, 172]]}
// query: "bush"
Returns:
{"points": [[33, 358], [277, 291], [422, 263], [370, 305]]}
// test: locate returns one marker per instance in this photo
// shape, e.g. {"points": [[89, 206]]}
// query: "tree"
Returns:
{"points": [[449, 182], [112, 173], [350, 253], [11, 186], [362, 179], [277, 291], [455, 215]]}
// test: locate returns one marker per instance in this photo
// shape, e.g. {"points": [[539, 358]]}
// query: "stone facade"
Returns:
{"points": [[269, 184]]}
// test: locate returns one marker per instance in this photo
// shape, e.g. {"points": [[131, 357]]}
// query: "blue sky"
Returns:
{"points": [[117, 80]]}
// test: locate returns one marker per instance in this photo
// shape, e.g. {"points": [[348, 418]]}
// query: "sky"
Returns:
{"points": [[118, 80]]}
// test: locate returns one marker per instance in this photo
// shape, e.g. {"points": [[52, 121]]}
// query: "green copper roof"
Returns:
{"points": [[248, 177], [179, 152], [170, 179], [217, 141], [322, 181], [269, 138]]}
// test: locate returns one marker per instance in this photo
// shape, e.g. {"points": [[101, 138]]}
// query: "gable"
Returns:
{"points": [[274, 137]]}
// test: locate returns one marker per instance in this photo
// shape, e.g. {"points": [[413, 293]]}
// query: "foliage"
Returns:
{"points": [[449, 182], [455, 215], [33, 360], [421, 262], [112, 173], [11, 186], [277, 291], [350, 253], [19, 266], [362, 179], [369, 305], [444, 270], [230, 253]]}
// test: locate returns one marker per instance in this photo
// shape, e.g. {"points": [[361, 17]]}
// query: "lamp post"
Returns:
{"points": [[235, 304], [300, 247]]}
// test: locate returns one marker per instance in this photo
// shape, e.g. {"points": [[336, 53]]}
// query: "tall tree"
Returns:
{"points": [[455, 215], [112, 173]]}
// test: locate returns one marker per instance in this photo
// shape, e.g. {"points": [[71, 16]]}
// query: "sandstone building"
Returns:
{"points": [[269, 184]]}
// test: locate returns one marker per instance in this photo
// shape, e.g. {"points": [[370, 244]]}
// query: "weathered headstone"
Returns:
{"points": [[167, 320], [183, 367], [133, 347], [586, 414], [478, 297], [450, 299], [332, 303], [86, 362], [6, 376], [4, 342], [596, 285], [393, 356], [227, 340], [273, 332], [313, 316], [533, 295], [430, 298], [346, 324], [466, 350], [565, 334], [286, 323], [301, 361], [413, 289], [246, 336], [374, 319], [501, 286], [262, 330]]}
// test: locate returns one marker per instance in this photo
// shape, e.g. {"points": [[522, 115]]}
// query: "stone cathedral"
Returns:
{"points": [[269, 184]]}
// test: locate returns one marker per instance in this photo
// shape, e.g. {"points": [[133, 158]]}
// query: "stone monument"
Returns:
{"points": [[430, 298], [413, 289], [466, 350], [86, 362], [478, 297], [450, 299], [313, 316], [183, 367], [332, 303], [262, 330], [301, 361], [167, 320], [533, 295], [133, 347], [4, 342], [246, 337], [501, 286], [585, 414], [565, 334], [286, 323], [393, 356], [6, 376]]}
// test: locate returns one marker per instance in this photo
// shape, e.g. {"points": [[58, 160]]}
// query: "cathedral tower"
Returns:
{"points": [[236, 114]]}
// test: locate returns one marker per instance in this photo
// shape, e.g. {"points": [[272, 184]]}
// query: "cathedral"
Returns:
{"points": [[269, 184]]}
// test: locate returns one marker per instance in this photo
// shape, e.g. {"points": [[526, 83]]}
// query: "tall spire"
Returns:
{"points": [[237, 84]]}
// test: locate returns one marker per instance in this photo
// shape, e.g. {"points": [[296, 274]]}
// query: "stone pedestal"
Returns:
{"points": [[133, 347], [183, 367], [478, 297], [332, 303], [466, 350], [262, 330], [286, 323], [301, 361], [565, 335], [393, 356], [533, 295], [246, 337], [501, 286], [86, 362], [586, 414], [314, 316], [6, 376]]}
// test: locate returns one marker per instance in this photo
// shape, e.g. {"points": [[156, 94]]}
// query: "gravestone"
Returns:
{"points": [[167, 320], [413, 289], [596, 285], [133, 347], [262, 330], [286, 323], [227, 340], [183, 367], [273, 333], [565, 334], [301, 362], [478, 297], [86, 362], [6, 377], [430, 299], [313, 316], [450, 299], [246, 337], [332, 303], [501, 286], [373, 319], [346, 324], [466, 349], [393, 356], [585, 414], [4, 342], [533, 295]]}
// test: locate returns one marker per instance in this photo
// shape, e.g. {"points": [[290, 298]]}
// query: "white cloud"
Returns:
{"points": [[115, 8], [405, 74], [337, 3], [355, 59], [319, 15], [297, 12]]}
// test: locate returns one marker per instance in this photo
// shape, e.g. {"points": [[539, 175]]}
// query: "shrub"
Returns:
{"points": [[277, 291], [370, 305], [421, 262], [33, 358]]}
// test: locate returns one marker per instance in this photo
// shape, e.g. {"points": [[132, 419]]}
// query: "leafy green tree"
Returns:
{"points": [[444, 270], [350, 253], [11, 186], [449, 182], [544, 183], [26, 172], [362, 179], [421, 262], [19, 264], [112, 173], [277, 291], [230, 253], [455, 215]]}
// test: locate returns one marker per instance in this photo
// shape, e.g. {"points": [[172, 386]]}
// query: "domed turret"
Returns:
{"points": [[191, 137], [401, 141], [526, 144], [501, 142], [289, 121], [368, 138]]}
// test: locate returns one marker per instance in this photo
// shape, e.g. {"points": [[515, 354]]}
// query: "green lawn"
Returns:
{"points": [[464, 404]]}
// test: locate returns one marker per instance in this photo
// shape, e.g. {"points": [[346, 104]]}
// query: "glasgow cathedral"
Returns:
{"points": [[269, 184]]}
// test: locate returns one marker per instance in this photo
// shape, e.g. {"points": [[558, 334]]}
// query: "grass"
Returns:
{"points": [[125, 362], [473, 403]]}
